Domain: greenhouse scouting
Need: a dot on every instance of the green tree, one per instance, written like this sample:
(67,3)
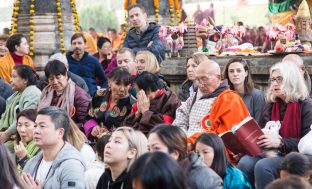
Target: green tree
(98,17)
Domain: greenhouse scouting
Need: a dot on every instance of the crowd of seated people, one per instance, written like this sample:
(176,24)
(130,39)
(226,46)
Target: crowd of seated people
(111,120)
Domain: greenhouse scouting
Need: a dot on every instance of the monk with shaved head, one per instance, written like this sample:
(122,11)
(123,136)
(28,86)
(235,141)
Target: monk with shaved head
(297,60)
(214,107)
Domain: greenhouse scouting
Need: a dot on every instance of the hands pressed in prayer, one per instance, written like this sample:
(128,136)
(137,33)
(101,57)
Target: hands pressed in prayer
(143,102)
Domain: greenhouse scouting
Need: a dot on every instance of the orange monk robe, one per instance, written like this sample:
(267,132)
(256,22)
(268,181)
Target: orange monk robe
(7,64)
(227,110)
(98,35)
(116,43)
(91,46)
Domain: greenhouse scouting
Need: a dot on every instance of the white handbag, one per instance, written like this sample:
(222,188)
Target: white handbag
(305,143)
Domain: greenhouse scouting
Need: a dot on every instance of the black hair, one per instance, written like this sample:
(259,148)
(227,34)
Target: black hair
(147,82)
(55,67)
(113,31)
(121,76)
(157,170)
(173,137)
(101,41)
(14,40)
(291,182)
(76,36)
(26,72)
(100,146)
(30,114)
(58,116)
(296,163)
(220,160)
(9,179)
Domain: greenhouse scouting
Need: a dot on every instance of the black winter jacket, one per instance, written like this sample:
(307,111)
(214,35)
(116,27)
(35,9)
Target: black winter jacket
(136,43)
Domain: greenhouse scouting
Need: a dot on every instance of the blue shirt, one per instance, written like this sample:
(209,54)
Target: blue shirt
(89,69)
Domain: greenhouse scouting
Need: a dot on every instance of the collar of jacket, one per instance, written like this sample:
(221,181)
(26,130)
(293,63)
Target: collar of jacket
(223,86)
(150,26)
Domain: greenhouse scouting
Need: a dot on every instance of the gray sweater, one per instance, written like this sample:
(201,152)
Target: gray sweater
(255,103)
(67,169)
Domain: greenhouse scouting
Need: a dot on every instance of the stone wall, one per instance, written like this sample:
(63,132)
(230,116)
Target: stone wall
(46,36)
(175,69)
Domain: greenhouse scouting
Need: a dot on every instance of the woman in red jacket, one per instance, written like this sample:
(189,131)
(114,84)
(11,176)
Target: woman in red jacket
(64,93)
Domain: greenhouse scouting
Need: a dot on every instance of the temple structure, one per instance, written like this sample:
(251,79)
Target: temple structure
(48,25)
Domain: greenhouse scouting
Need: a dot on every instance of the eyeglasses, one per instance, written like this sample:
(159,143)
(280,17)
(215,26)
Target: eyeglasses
(278,79)
(204,80)
(106,47)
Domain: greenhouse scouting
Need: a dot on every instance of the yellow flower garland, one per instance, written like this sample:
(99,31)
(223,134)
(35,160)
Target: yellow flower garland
(60,25)
(156,6)
(16,5)
(177,9)
(31,28)
(133,2)
(126,5)
(75,14)
(171,12)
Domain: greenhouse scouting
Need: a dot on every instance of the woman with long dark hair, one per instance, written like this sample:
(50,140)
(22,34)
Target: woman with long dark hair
(238,74)
(173,141)
(156,170)
(211,148)
(9,178)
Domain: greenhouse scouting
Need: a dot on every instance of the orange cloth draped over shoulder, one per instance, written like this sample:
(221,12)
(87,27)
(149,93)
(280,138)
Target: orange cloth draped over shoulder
(91,46)
(116,43)
(227,110)
(7,64)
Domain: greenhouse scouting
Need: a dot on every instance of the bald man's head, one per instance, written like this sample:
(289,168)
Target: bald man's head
(208,76)
(297,60)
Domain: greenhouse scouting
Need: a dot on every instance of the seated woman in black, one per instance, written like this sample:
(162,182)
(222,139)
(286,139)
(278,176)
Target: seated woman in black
(109,107)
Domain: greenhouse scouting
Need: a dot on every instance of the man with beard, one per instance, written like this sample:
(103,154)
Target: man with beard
(85,65)
(143,36)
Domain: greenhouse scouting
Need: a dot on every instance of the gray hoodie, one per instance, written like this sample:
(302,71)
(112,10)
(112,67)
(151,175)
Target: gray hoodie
(67,170)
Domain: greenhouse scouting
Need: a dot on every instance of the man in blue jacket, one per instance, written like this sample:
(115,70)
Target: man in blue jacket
(143,35)
(85,65)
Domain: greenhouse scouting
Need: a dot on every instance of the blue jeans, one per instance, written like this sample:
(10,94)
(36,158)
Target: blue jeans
(260,171)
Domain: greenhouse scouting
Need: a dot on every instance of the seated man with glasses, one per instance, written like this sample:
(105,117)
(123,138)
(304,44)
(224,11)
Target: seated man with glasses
(105,55)
(214,107)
